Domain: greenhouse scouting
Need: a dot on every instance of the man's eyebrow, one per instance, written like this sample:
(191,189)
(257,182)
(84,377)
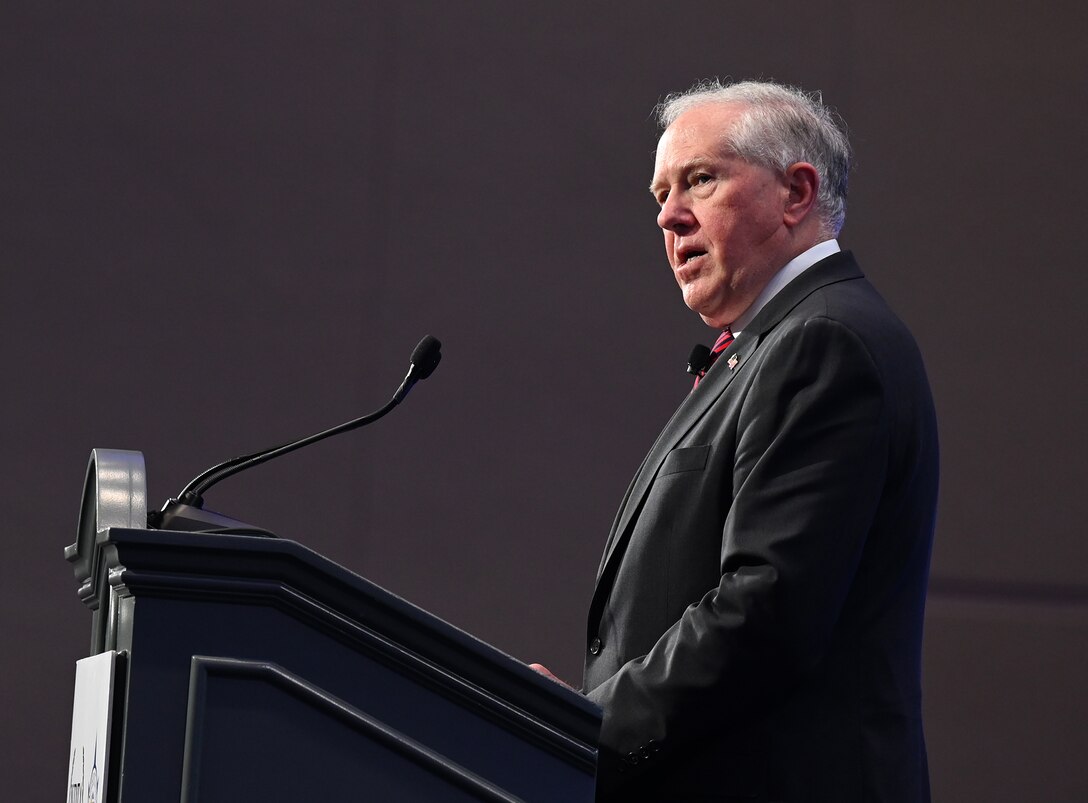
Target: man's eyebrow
(694,162)
(682,168)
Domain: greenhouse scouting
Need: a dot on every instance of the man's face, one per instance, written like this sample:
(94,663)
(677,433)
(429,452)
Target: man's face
(722,217)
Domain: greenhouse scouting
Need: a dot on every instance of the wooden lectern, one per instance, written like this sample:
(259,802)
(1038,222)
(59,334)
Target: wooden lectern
(254,669)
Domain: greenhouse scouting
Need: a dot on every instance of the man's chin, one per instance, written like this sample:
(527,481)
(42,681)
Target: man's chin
(715,322)
(711,314)
(714,312)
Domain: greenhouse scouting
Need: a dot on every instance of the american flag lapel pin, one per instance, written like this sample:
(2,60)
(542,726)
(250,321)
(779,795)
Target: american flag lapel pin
(732,362)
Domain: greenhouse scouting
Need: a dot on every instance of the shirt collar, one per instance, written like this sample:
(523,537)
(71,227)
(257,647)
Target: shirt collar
(794,268)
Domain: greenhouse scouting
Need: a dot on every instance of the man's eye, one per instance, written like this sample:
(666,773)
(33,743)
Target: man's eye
(661,197)
(700,178)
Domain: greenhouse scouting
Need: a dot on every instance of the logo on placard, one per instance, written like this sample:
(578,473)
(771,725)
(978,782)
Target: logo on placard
(92,790)
(82,789)
(75,783)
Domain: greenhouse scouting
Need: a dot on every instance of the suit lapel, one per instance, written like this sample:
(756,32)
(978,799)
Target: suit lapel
(730,364)
(686,416)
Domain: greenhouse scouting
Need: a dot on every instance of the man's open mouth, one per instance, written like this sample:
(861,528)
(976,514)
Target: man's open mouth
(686,255)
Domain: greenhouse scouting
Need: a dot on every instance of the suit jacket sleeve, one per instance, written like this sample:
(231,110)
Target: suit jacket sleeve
(808,465)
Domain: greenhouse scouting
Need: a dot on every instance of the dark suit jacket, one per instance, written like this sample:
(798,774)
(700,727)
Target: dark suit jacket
(756,627)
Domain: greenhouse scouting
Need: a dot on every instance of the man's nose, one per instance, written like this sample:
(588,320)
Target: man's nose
(675,215)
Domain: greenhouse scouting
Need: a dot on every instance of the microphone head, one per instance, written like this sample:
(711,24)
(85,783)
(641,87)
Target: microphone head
(698,360)
(426,356)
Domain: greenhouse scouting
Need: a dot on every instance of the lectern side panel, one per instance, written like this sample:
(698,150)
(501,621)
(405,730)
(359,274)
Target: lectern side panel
(256,732)
(360,669)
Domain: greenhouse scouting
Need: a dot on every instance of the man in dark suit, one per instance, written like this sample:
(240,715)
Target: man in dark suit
(755,630)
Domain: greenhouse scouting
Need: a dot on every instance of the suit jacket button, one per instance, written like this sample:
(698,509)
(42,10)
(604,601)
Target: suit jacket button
(632,758)
(595,646)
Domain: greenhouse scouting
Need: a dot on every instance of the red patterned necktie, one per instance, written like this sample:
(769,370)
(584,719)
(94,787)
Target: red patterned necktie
(720,345)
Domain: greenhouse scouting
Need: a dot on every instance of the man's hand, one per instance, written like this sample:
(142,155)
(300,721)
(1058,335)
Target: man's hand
(543,670)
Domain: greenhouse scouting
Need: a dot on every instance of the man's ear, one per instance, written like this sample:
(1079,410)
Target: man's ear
(802,181)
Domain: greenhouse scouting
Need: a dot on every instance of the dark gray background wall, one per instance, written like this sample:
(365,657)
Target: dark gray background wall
(227,224)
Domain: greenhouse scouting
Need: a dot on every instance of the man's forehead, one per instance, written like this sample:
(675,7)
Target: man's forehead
(685,152)
(703,128)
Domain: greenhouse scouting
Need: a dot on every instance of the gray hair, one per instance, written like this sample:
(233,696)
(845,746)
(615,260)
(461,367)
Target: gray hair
(780,126)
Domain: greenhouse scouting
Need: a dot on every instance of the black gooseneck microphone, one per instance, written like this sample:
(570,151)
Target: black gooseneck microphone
(186,511)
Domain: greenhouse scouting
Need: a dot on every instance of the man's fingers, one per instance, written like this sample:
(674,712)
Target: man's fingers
(543,670)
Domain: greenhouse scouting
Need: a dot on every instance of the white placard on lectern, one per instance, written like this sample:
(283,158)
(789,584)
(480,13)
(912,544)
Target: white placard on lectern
(91,720)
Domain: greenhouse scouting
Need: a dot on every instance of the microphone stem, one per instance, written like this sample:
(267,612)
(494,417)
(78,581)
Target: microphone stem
(193,492)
